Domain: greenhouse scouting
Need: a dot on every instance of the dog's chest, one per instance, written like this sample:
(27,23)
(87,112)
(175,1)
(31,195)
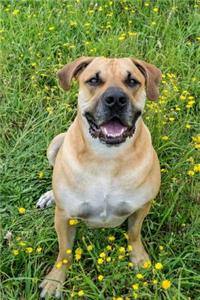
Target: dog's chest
(101,201)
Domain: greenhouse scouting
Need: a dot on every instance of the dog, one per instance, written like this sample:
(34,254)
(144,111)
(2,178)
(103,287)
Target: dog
(105,167)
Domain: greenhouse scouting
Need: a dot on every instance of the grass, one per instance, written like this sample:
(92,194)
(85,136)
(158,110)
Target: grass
(37,38)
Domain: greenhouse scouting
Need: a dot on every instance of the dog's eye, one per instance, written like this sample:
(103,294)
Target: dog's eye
(94,81)
(131,82)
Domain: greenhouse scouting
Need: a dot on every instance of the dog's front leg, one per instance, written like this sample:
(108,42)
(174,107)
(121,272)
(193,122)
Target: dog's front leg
(138,255)
(52,283)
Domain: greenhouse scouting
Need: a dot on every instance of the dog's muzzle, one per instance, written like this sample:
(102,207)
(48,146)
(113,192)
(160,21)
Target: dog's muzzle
(114,117)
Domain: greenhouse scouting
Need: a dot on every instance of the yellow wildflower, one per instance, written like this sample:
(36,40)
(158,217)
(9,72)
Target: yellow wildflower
(77,257)
(146,264)
(139,276)
(100,261)
(108,259)
(72,294)
(135,295)
(15,252)
(109,248)
(120,257)
(155,281)
(130,33)
(79,251)
(100,277)
(165,138)
(111,238)
(102,255)
(129,248)
(190,173)
(22,243)
(155,9)
(50,110)
(161,248)
(29,250)
(59,265)
(188,126)
(171,119)
(21,210)
(90,247)
(69,251)
(65,261)
(51,28)
(121,250)
(39,249)
(130,264)
(41,174)
(135,286)
(166,284)
(196,168)
(15,12)
(81,293)
(182,97)
(196,139)
(73,221)
(158,266)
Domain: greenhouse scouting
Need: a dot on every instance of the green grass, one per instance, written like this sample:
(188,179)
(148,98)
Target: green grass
(37,38)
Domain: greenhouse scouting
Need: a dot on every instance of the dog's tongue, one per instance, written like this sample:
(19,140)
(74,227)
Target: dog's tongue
(113,128)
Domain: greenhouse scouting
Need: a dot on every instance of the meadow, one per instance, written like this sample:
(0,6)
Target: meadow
(36,39)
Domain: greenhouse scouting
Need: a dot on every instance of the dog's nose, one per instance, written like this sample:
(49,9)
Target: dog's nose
(115,96)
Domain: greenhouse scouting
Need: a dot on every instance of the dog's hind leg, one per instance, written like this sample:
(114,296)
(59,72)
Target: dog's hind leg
(48,198)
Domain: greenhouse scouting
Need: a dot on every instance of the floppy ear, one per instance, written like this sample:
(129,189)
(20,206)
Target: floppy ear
(71,70)
(152,76)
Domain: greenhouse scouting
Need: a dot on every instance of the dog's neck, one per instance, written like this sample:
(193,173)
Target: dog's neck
(96,148)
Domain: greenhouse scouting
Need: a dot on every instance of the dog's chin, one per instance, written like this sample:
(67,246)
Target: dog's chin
(112,132)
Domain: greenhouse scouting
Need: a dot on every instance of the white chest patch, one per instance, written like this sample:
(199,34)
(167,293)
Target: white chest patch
(102,202)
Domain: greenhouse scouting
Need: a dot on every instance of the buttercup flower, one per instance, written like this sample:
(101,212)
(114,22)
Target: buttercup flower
(158,266)
(108,259)
(69,251)
(111,238)
(59,265)
(73,221)
(102,255)
(139,276)
(81,293)
(39,249)
(100,261)
(190,173)
(146,264)
(135,286)
(100,277)
(29,250)
(21,210)
(166,284)
(90,247)
(15,252)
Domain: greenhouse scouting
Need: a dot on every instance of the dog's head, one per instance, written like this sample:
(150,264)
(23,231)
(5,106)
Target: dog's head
(112,93)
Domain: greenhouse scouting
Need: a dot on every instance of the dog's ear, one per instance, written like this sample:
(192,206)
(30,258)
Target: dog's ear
(152,77)
(71,70)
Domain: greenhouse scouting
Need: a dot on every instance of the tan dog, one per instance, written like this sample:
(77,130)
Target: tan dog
(105,167)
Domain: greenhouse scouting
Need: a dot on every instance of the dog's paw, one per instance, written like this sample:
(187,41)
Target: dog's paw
(45,200)
(52,284)
(138,258)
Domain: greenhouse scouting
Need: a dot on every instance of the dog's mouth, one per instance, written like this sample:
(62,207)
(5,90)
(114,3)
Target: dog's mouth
(112,132)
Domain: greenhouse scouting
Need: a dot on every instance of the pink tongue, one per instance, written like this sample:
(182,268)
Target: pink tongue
(113,128)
